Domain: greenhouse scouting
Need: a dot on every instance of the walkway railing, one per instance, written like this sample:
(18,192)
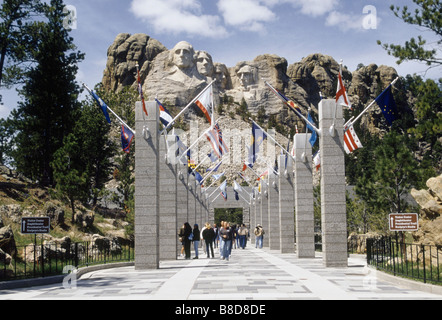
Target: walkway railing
(35,261)
(415,261)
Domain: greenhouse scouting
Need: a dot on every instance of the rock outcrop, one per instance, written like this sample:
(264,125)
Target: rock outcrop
(430,222)
(177,75)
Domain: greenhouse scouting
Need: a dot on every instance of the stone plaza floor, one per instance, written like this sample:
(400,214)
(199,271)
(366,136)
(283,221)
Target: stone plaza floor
(251,274)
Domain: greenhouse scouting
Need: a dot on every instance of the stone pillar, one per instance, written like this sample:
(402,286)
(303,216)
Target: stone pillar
(182,191)
(286,206)
(265,211)
(168,201)
(147,187)
(212,215)
(253,222)
(303,194)
(333,206)
(191,200)
(272,230)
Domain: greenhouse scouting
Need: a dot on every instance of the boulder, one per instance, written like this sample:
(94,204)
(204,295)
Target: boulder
(7,241)
(84,219)
(124,55)
(105,245)
(56,213)
(430,222)
(12,211)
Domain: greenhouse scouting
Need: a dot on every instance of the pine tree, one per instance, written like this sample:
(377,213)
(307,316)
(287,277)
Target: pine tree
(18,34)
(47,114)
(427,16)
(68,172)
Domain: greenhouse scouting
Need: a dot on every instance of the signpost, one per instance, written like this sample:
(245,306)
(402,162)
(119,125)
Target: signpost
(36,225)
(404,222)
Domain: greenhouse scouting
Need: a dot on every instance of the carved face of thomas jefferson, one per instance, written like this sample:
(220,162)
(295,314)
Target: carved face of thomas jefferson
(205,64)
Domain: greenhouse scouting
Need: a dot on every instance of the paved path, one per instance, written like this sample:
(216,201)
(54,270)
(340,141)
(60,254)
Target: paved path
(251,274)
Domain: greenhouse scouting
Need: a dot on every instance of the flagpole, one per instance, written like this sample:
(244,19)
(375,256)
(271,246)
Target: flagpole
(244,198)
(242,190)
(211,184)
(189,105)
(112,111)
(303,155)
(274,140)
(215,198)
(256,175)
(215,191)
(296,111)
(211,172)
(207,157)
(197,140)
(350,122)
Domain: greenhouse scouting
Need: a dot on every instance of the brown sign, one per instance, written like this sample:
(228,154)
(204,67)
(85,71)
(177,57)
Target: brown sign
(35,225)
(404,222)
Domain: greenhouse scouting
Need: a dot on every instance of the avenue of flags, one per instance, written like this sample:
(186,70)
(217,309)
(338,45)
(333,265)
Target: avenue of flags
(205,103)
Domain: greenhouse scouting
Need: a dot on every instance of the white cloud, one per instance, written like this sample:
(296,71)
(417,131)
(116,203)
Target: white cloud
(313,8)
(344,21)
(178,16)
(353,22)
(247,15)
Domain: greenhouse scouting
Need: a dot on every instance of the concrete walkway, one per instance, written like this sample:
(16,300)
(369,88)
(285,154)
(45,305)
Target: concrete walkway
(251,274)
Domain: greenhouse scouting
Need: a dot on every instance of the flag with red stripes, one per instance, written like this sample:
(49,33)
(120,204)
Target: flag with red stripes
(205,103)
(140,91)
(341,94)
(351,141)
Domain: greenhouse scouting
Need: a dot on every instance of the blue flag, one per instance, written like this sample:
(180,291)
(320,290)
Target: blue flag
(258,137)
(314,135)
(198,177)
(126,139)
(388,106)
(102,105)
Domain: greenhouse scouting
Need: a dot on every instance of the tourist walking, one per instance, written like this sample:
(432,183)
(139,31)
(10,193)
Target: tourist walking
(185,234)
(216,241)
(225,239)
(209,237)
(196,239)
(242,234)
(259,233)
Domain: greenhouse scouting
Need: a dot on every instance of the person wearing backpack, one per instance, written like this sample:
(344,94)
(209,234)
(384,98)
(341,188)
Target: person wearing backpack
(185,233)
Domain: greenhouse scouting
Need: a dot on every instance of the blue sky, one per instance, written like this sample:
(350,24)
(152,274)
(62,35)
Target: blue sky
(239,30)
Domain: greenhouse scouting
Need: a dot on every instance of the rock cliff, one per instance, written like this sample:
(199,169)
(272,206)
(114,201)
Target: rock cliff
(177,75)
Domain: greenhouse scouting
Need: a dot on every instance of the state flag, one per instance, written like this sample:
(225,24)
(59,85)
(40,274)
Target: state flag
(140,91)
(258,137)
(223,188)
(386,102)
(102,105)
(126,138)
(341,94)
(317,160)
(205,103)
(165,116)
(351,140)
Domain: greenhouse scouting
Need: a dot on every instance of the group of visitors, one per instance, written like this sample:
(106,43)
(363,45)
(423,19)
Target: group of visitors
(225,237)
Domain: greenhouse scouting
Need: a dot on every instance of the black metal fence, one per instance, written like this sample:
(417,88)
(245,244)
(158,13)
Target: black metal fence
(415,261)
(43,260)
